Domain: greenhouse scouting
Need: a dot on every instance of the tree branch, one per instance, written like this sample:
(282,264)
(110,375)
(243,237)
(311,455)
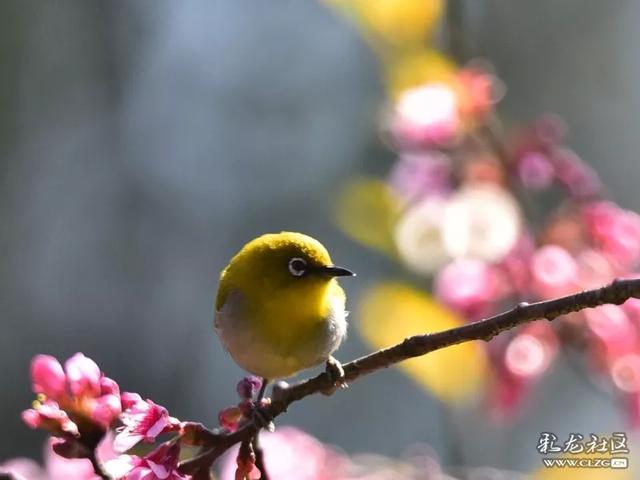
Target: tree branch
(617,293)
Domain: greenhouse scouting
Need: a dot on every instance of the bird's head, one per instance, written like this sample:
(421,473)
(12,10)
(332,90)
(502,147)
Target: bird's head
(285,260)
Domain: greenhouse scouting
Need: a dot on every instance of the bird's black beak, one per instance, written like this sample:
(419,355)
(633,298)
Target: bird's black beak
(335,271)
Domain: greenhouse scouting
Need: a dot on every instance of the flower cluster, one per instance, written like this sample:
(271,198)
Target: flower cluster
(80,407)
(74,403)
(232,417)
(463,217)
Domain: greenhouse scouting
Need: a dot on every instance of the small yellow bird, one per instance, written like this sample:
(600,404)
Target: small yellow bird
(279,308)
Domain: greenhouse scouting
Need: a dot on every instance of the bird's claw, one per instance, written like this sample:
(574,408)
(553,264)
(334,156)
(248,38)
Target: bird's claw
(334,370)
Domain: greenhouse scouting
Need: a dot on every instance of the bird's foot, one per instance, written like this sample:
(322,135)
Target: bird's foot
(335,372)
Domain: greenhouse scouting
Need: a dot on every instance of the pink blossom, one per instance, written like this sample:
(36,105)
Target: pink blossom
(594,269)
(83,376)
(612,329)
(129,399)
(426,115)
(57,467)
(554,272)
(535,171)
(23,469)
(109,386)
(632,308)
(144,421)
(79,390)
(248,387)
(48,376)
(291,454)
(105,409)
(48,416)
(417,175)
(161,464)
(528,355)
(468,286)
(615,230)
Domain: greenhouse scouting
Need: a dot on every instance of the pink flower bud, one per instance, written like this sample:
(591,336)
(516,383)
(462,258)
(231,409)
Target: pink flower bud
(468,286)
(31,417)
(48,376)
(535,171)
(83,375)
(230,418)
(554,272)
(248,387)
(109,386)
(48,416)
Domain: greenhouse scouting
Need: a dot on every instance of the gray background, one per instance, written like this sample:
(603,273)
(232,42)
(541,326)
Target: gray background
(142,142)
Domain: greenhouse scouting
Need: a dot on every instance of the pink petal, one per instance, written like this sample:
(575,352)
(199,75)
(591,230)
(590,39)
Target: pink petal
(109,386)
(126,440)
(54,419)
(157,428)
(83,375)
(104,450)
(141,473)
(129,400)
(31,418)
(106,409)
(120,466)
(23,469)
(47,376)
(60,468)
(159,470)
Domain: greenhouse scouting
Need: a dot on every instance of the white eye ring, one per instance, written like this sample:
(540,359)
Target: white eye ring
(297,266)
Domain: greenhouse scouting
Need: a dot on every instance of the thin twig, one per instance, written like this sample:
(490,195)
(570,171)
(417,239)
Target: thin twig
(617,293)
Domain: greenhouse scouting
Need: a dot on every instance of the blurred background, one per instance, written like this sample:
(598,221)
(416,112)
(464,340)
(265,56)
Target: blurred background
(142,143)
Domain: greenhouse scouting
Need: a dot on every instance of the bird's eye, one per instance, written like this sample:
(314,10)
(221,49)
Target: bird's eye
(297,267)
